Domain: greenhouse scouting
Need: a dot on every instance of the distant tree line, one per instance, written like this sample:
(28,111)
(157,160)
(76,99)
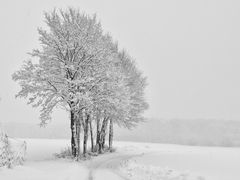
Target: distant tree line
(80,68)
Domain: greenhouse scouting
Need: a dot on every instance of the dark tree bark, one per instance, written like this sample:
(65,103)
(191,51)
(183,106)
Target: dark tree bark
(110,135)
(103,135)
(98,135)
(91,133)
(104,138)
(85,136)
(73,134)
(78,132)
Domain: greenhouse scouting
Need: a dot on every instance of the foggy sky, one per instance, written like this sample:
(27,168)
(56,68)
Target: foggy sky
(188,49)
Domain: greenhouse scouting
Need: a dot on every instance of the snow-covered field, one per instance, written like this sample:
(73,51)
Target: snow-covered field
(136,161)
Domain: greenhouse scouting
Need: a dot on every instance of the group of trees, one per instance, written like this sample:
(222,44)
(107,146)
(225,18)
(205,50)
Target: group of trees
(81,69)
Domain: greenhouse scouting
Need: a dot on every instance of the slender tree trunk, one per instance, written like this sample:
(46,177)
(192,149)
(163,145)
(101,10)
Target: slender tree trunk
(91,133)
(103,138)
(103,135)
(110,135)
(73,133)
(98,135)
(85,136)
(78,137)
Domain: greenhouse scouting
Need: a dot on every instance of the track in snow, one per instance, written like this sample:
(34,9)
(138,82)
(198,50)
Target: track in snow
(105,166)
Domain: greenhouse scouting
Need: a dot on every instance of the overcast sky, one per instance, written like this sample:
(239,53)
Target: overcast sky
(188,49)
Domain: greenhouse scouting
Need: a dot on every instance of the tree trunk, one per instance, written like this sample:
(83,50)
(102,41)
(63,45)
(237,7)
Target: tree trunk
(103,135)
(85,136)
(78,137)
(91,133)
(73,133)
(103,138)
(110,135)
(98,135)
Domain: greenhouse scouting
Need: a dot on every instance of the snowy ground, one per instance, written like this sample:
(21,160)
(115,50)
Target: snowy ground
(132,161)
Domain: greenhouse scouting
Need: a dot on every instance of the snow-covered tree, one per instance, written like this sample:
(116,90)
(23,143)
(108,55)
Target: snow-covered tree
(6,154)
(81,69)
(127,96)
(74,54)
(10,155)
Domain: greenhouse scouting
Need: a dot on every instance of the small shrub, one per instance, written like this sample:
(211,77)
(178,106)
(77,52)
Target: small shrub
(112,150)
(6,155)
(65,153)
(9,157)
(93,153)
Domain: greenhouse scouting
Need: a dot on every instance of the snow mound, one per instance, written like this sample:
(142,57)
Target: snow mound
(136,171)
